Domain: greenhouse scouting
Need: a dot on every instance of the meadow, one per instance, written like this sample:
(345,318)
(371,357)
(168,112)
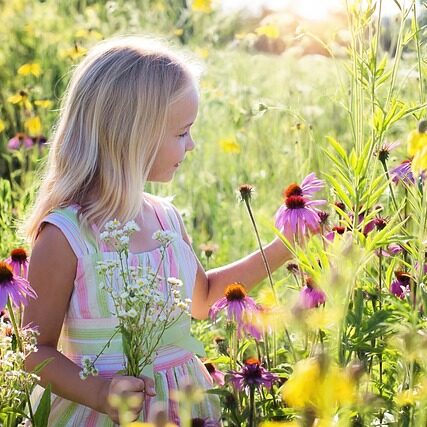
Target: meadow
(343,327)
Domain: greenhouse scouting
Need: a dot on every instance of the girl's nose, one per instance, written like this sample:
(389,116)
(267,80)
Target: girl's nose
(190,144)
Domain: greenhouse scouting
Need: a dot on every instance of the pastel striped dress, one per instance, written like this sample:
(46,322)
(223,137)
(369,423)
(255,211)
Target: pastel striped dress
(90,323)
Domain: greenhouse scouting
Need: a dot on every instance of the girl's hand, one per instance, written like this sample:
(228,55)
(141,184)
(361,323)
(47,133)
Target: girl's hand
(125,387)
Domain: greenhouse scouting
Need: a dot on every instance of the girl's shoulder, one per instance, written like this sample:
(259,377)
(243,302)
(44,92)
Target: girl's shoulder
(66,219)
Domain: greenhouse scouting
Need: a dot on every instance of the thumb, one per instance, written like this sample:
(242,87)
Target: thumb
(150,388)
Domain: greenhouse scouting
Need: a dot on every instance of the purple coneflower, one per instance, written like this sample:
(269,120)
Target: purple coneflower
(311,296)
(18,140)
(217,376)
(16,288)
(18,260)
(297,216)
(310,185)
(335,230)
(251,375)
(400,287)
(378,222)
(240,307)
(403,173)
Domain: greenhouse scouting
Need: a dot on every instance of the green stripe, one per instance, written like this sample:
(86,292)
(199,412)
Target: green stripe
(66,415)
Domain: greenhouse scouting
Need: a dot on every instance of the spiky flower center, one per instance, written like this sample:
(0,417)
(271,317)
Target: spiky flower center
(422,126)
(198,422)
(295,202)
(252,361)
(380,223)
(19,255)
(293,190)
(339,229)
(6,273)
(310,283)
(235,292)
(402,277)
(246,191)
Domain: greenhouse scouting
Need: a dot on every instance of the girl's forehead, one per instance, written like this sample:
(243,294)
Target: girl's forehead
(184,110)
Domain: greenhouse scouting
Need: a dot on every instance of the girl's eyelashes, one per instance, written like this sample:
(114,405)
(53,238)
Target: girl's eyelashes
(183,134)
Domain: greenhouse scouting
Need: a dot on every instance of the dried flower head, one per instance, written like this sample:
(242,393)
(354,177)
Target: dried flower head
(246,191)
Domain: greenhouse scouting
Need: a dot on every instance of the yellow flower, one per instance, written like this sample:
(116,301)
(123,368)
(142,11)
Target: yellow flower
(302,386)
(21,98)
(26,69)
(73,53)
(204,6)
(419,162)
(417,139)
(43,103)
(229,145)
(271,31)
(323,391)
(34,126)
(202,52)
(2,125)
(279,424)
(406,397)
(178,32)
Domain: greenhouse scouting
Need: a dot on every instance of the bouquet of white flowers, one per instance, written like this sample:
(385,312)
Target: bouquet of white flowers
(144,311)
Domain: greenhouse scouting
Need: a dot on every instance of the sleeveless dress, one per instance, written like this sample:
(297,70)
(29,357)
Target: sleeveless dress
(90,322)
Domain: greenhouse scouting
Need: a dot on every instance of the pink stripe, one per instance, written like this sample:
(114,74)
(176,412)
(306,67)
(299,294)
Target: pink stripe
(172,363)
(173,405)
(92,419)
(81,291)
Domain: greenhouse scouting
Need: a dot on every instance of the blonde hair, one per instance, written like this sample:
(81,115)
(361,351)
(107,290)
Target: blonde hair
(110,128)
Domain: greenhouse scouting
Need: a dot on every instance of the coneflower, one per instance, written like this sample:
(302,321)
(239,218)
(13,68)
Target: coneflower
(19,262)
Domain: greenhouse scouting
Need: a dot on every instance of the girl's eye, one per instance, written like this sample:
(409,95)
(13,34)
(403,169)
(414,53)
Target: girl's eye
(183,134)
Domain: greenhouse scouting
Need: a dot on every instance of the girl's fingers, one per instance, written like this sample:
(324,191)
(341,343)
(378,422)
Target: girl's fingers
(150,388)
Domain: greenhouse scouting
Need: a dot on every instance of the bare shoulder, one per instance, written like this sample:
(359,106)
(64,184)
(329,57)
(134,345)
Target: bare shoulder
(51,273)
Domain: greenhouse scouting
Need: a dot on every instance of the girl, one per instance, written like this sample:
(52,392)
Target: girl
(125,120)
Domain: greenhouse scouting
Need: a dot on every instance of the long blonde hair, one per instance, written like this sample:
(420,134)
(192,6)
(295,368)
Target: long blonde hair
(111,124)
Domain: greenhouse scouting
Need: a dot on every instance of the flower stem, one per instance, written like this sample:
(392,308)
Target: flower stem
(251,406)
(21,349)
(267,267)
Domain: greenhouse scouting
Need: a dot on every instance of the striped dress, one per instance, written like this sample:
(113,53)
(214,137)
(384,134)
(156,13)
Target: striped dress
(89,323)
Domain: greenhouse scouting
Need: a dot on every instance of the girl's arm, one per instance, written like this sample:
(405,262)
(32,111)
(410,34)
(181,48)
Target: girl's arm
(51,273)
(250,270)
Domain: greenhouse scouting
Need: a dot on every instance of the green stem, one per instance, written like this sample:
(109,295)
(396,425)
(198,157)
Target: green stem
(264,258)
(251,406)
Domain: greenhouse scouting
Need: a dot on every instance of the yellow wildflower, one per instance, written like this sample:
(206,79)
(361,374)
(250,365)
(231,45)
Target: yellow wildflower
(417,139)
(324,391)
(33,124)
(178,32)
(43,103)
(202,52)
(279,424)
(26,69)
(2,125)
(271,31)
(204,6)
(419,162)
(229,145)
(73,53)
(21,98)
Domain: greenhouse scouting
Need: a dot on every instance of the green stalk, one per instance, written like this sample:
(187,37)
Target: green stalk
(251,406)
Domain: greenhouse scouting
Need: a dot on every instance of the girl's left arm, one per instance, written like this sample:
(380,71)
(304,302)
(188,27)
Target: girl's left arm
(250,270)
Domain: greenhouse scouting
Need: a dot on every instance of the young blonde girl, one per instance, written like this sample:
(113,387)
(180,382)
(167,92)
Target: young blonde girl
(125,120)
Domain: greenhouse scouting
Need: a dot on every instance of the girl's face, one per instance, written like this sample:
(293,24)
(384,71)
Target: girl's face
(177,139)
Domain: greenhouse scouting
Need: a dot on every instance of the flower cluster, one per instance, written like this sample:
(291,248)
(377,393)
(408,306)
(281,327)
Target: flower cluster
(146,304)
(117,236)
(88,368)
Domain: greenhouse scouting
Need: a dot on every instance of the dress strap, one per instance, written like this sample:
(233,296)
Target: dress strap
(166,214)
(66,220)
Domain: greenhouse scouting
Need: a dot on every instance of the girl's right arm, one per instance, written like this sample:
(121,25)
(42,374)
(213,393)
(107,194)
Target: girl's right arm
(51,273)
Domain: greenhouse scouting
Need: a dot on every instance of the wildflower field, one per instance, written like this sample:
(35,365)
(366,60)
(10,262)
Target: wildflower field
(326,146)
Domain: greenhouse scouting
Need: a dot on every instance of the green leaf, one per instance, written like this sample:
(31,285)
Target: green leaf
(338,148)
(43,410)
